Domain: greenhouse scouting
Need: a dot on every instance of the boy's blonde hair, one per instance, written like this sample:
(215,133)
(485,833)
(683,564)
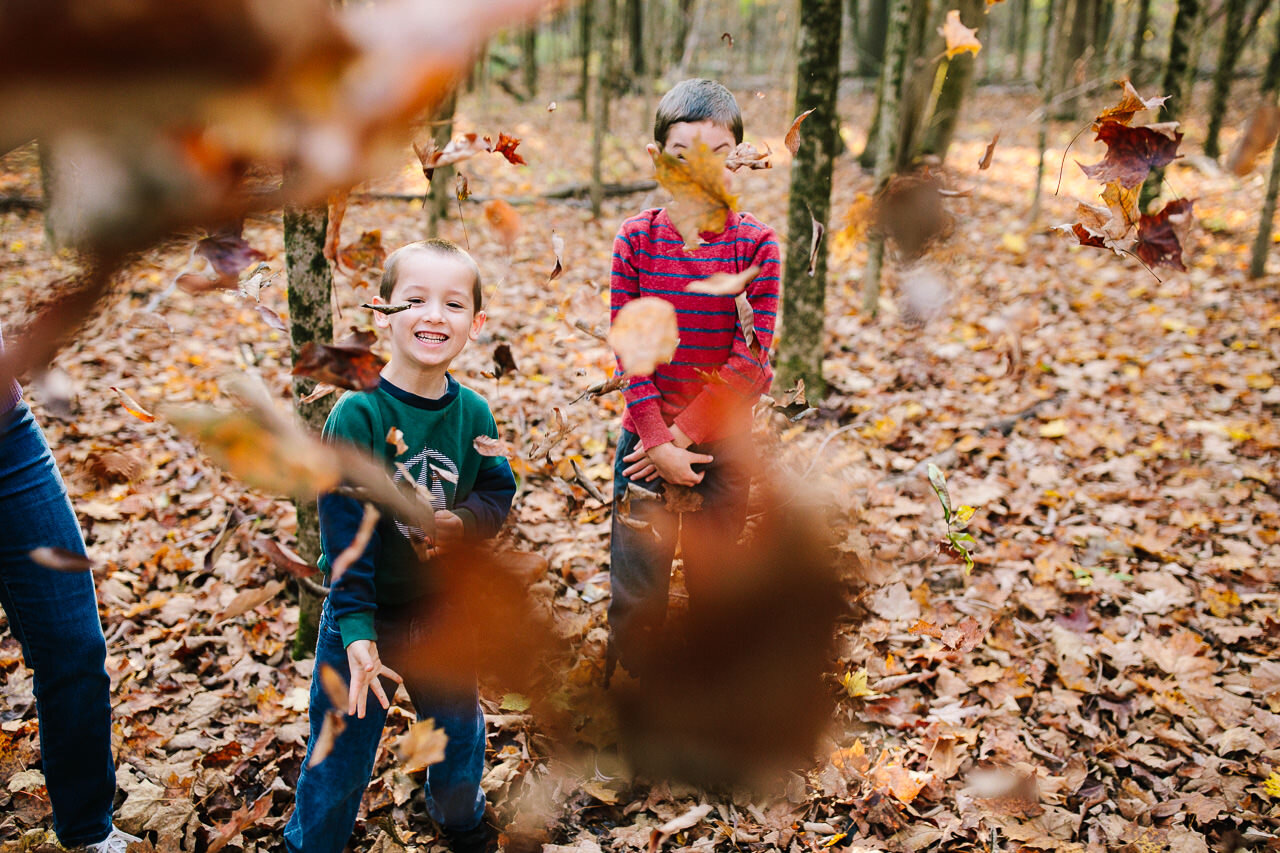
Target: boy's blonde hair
(436,245)
(697,99)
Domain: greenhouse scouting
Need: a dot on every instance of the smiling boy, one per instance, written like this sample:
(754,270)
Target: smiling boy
(695,410)
(377,607)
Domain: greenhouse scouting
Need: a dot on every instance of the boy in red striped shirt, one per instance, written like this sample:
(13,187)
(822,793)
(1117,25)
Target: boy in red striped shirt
(689,422)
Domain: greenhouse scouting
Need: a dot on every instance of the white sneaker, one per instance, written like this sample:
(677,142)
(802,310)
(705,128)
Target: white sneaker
(117,841)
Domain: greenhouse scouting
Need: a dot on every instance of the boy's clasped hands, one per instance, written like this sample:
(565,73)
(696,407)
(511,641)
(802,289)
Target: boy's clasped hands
(362,655)
(671,460)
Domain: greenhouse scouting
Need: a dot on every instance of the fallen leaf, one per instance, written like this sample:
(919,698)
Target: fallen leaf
(792,139)
(60,559)
(644,334)
(131,406)
(248,600)
(421,746)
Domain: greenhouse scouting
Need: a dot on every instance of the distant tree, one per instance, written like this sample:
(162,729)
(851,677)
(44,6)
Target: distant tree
(871,45)
(310,283)
(604,89)
(1271,77)
(1045,82)
(1175,76)
(585,16)
(529,59)
(1228,53)
(1137,69)
(635,38)
(959,71)
(442,190)
(801,346)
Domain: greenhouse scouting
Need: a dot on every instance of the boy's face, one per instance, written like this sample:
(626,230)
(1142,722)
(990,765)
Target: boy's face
(684,135)
(441,317)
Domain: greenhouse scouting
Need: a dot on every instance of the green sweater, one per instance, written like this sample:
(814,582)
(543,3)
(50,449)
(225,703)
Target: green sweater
(440,456)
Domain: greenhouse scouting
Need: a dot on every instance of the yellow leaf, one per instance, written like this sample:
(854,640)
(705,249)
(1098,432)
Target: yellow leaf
(1259,381)
(1015,243)
(1055,428)
(855,684)
(959,38)
(700,200)
(421,746)
(964,513)
(1272,784)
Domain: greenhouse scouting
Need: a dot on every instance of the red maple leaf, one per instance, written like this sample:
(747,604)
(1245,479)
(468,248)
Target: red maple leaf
(1160,236)
(1132,152)
(506,146)
(1087,237)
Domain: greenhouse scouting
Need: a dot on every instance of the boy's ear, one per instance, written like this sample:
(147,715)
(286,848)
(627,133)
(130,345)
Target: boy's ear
(654,151)
(382,321)
(477,323)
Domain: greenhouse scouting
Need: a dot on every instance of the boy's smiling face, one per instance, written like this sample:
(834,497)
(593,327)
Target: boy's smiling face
(429,335)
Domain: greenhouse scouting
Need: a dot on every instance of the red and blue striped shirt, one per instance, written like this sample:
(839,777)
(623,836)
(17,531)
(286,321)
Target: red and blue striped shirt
(714,379)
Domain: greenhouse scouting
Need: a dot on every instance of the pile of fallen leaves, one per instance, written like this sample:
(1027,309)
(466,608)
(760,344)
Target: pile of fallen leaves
(1105,676)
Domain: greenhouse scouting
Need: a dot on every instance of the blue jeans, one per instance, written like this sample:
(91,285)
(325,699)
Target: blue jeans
(328,795)
(640,561)
(54,615)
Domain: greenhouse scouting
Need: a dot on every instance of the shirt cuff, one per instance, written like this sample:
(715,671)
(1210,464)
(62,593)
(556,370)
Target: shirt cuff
(650,426)
(357,626)
(469,522)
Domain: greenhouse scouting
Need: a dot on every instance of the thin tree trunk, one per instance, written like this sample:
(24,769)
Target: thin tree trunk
(802,343)
(1137,71)
(1075,59)
(529,59)
(1046,100)
(1024,37)
(871,47)
(1262,243)
(1228,53)
(887,142)
(959,73)
(1174,76)
(925,49)
(683,21)
(852,38)
(584,47)
(635,38)
(600,125)
(310,319)
(442,190)
(1271,77)
(1192,69)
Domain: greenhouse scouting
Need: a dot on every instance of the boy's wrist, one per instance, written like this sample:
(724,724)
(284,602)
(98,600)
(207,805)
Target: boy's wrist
(357,626)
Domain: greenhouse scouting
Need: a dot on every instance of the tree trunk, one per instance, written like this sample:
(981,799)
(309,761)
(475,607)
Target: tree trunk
(852,38)
(1024,37)
(310,319)
(925,49)
(959,72)
(1046,101)
(1228,53)
(888,142)
(442,190)
(635,38)
(529,59)
(871,47)
(1271,77)
(802,343)
(1262,243)
(1175,73)
(1074,57)
(1192,68)
(1137,71)
(600,124)
(584,47)
(680,32)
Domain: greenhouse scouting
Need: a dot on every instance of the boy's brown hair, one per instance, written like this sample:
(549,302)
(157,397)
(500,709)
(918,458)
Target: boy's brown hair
(439,246)
(697,99)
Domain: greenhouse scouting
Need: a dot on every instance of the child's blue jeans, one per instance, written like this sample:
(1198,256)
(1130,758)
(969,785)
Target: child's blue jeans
(640,557)
(328,795)
(54,615)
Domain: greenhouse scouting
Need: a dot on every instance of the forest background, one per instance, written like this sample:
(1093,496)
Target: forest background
(1104,678)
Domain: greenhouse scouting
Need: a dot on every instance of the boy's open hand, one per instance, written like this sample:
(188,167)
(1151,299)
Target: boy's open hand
(366,667)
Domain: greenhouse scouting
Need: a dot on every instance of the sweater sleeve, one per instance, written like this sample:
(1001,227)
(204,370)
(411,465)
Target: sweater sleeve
(746,374)
(640,392)
(485,508)
(353,598)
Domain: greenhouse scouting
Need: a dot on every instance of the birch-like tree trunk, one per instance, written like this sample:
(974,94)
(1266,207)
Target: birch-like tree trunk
(802,343)
(1228,53)
(959,73)
(310,319)
(888,141)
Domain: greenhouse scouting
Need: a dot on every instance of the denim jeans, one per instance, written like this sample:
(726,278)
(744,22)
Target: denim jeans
(328,795)
(640,558)
(54,615)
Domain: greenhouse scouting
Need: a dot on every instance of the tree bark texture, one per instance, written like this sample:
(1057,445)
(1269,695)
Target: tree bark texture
(1271,77)
(1136,68)
(871,46)
(888,140)
(529,59)
(959,74)
(1175,74)
(925,49)
(310,319)
(635,38)
(600,120)
(442,190)
(585,24)
(1046,101)
(1228,53)
(802,344)
(1023,38)
(1262,242)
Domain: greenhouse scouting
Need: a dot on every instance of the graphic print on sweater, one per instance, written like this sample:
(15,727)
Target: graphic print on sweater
(432,469)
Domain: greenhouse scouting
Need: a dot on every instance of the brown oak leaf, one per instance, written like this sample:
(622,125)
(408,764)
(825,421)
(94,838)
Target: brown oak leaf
(1160,235)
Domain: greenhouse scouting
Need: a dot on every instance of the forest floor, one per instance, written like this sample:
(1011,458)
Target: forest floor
(1106,678)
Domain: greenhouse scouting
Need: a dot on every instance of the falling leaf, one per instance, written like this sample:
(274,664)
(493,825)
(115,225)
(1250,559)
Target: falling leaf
(133,408)
(644,334)
(678,498)
(504,362)
(506,146)
(909,211)
(792,140)
(284,558)
(366,255)
(551,107)
(461,187)
(459,148)
(504,220)
(727,37)
(745,154)
(747,323)
(345,365)
(272,319)
(322,390)
(557,246)
(395,438)
(228,252)
(1160,236)
(248,600)
(701,201)
(60,559)
(985,162)
(1132,152)
(1131,103)
(488,446)
(421,746)
(724,283)
(387,310)
(815,241)
(334,686)
(958,37)
(334,724)
(356,548)
(1256,139)
(234,519)
(1123,203)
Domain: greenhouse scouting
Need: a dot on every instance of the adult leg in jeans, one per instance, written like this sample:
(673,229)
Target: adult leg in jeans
(640,555)
(54,615)
(328,795)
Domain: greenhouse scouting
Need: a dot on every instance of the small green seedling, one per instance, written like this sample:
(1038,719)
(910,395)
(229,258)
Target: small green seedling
(958,540)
